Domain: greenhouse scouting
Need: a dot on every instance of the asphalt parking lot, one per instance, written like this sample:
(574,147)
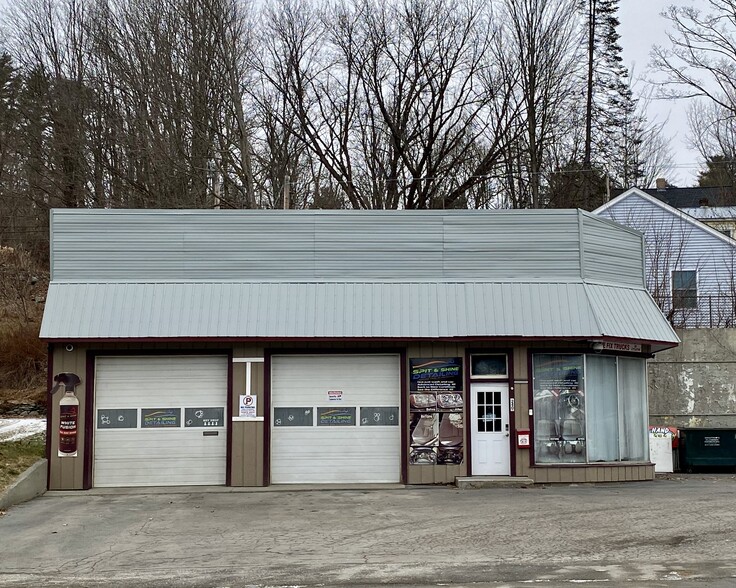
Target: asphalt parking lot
(680,530)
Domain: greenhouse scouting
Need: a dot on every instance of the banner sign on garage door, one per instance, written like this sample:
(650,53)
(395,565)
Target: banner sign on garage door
(443,374)
(204,417)
(293,416)
(160,418)
(336,417)
(379,416)
(117,418)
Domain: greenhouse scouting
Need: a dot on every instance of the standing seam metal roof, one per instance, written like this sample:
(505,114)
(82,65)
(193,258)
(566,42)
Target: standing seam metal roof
(347,274)
(350,310)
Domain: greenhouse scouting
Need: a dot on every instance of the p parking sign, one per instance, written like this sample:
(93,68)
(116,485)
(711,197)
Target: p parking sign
(248,405)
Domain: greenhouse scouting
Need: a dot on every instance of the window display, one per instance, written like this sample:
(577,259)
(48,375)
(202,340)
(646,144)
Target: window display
(559,409)
(589,408)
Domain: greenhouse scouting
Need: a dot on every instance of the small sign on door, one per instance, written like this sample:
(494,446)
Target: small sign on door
(248,405)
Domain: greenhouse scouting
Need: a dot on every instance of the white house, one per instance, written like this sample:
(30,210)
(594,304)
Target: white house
(690,266)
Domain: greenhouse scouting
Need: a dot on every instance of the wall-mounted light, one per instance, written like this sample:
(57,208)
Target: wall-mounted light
(69,347)
(597,346)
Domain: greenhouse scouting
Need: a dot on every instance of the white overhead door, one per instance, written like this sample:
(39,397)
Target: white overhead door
(335,418)
(160,420)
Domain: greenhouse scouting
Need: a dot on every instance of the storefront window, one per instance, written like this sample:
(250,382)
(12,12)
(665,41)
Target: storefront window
(632,393)
(559,409)
(589,408)
(602,407)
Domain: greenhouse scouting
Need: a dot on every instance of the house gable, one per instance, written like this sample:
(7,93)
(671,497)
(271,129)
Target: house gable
(675,241)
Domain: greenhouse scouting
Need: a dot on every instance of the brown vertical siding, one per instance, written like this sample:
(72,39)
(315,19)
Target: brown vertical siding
(248,437)
(612,472)
(522,420)
(67,473)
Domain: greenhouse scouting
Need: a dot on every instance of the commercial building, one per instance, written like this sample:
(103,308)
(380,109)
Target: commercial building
(251,348)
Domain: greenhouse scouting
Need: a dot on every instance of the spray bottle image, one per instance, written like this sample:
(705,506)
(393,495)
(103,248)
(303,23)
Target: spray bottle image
(68,414)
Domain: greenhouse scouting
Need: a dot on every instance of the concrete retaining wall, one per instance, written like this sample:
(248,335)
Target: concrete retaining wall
(694,385)
(30,484)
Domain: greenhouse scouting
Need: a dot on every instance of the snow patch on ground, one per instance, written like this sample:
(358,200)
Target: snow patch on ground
(15,429)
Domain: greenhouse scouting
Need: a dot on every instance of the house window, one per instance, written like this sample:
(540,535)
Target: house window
(684,289)
(489,366)
(589,408)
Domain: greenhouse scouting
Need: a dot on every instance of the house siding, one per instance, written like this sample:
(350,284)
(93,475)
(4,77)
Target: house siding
(674,243)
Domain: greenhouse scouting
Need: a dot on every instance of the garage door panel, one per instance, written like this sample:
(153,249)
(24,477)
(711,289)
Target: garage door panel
(155,472)
(166,456)
(336,454)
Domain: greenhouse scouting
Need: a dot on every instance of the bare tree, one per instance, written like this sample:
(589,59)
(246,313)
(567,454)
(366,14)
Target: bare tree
(393,99)
(543,37)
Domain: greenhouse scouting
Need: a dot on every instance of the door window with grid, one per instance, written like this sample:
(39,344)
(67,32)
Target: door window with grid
(489,412)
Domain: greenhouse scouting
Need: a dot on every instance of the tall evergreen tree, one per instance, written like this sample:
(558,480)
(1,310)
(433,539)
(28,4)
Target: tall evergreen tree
(608,98)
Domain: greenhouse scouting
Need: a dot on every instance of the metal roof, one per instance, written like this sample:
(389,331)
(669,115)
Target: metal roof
(162,310)
(689,197)
(334,246)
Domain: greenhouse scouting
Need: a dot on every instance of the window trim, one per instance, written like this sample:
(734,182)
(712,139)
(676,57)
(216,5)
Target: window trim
(684,297)
(504,376)
(532,424)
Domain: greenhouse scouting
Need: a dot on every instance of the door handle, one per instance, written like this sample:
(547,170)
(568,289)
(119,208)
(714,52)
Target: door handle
(507,430)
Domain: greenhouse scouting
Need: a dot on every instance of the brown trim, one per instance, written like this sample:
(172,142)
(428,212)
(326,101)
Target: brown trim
(339,350)
(595,464)
(404,418)
(163,351)
(89,413)
(530,400)
(49,408)
(266,417)
(509,380)
(512,396)
(89,421)
(395,340)
(229,421)
(468,449)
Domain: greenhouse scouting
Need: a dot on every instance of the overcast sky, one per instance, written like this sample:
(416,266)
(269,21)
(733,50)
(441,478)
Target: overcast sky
(641,27)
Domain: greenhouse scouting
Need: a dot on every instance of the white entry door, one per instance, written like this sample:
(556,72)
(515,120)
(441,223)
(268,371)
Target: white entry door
(490,431)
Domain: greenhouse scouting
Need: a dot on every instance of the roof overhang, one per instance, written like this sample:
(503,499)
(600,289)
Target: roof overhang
(302,311)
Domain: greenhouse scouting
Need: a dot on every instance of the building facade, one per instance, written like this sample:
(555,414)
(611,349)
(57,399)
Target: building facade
(691,266)
(250,348)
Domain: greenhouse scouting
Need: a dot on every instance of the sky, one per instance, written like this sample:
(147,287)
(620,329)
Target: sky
(641,27)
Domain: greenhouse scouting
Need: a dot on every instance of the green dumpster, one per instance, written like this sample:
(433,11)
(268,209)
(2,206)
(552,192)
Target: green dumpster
(707,448)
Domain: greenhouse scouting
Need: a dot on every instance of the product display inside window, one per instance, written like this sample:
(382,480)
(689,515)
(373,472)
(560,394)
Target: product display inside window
(589,408)
(559,409)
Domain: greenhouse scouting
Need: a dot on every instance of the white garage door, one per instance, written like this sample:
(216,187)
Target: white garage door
(335,418)
(160,420)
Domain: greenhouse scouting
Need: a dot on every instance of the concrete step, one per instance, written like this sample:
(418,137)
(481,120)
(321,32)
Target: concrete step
(474,482)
